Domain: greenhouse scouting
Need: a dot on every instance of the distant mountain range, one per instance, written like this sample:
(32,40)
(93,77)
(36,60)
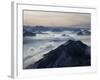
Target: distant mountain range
(60,28)
(83,32)
(28,32)
(32,31)
(70,54)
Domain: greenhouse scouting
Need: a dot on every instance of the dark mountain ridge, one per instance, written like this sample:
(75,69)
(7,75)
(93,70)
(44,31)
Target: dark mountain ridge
(70,54)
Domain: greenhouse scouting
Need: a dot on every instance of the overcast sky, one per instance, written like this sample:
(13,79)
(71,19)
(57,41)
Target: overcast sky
(42,18)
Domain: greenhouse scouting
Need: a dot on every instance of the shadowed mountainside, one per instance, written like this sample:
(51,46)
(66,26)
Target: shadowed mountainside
(70,54)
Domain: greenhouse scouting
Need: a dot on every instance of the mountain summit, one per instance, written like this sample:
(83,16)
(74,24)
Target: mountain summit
(70,54)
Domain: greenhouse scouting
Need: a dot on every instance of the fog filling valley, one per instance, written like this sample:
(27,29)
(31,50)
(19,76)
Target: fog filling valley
(38,41)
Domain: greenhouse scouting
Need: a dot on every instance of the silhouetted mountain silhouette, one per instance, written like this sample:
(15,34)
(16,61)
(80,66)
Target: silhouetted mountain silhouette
(72,53)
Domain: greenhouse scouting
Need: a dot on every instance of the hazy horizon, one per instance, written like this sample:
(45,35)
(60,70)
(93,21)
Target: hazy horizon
(57,19)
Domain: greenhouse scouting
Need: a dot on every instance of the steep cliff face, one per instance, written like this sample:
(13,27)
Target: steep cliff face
(70,54)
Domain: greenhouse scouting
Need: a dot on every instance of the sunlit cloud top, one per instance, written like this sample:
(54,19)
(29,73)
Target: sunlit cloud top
(43,18)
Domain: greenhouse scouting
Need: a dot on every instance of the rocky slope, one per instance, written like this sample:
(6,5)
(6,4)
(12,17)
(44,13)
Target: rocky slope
(70,54)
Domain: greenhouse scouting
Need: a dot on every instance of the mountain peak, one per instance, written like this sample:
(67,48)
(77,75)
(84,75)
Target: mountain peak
(70,54)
